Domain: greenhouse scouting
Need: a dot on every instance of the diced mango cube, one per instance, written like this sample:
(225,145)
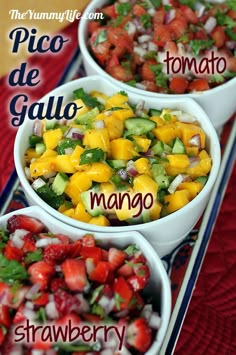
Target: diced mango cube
(194,187)
(75,157)
(142,142)
(122,148)
(189,130)
(143,166)
(106,187)
(116,100)
(69,213)
(167,132)
(159,121)
(81,214)
(114,126)
(155,210)
(124,113)
(52,137)
(145,184)
(203,167)
(42,166)
(176,200)
(100,221)
(63,164)
(97,138)
(99,172)
(82,107)
(178,160)
(31,154)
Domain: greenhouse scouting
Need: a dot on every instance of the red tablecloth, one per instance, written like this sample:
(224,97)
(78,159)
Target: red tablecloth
(209,327)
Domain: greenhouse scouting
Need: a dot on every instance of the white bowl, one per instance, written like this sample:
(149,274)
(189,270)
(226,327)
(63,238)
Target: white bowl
(165,233)
(219,103)
(159,284)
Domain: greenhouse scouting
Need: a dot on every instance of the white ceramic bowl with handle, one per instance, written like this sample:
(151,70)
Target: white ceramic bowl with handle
(219,103)
(165,233)
(159,284)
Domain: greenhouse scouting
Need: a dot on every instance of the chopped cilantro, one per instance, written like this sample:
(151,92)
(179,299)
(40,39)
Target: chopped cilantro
(224,20)
(167,7)
(87,99)
(96,293)
(183,38)
(161,78)
(91,156)
(123,8)
(156,3)
(200,44)
(4,235)
(231,4)
(118,300)
(32,257)
(131,83)
(50,197)
(101,37)
(216,78)
(189,3)
(131,249)
(122,92)
(98,310)
(231,33)
(11,271)
(146,20)
(133,302)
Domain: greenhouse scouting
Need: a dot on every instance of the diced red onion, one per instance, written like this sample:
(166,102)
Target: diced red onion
(140,105)
(38,128)
(107,303)
(50,352)
(154,321)
(74,133)
(38,183)
(33,291)
(17,237)
(4,297)
(140,51)
(195,140)
(152,46)
(18,350)
(130,28)
(90,265)
(193,161)
(122,174)
(69,151)
(200,8)
(51,310)
(175,183)
(144,38)
(230,44)
(19,296)
(144,45)
(139,25)
(84,305)
(151,11)
(147,311)
(131,170)
(77,135)
(29,313)
(58,268)
(99,124)
(210,24)
(170,15)
(41,243)
(140,86)
(148,153)
(107,351)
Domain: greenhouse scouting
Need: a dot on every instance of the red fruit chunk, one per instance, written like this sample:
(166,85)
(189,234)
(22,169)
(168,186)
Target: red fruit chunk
(74,249)
(29,243)
(13,253)
(137,283)
(123,293)
(42,300)
(5,318)
(218,35)
(178,85)
(104,255)
(72,317)
(56,284)
(2,335)
(139,335)
(101,272)
(116,257)
(198,85)
(19,316)
(88,240)
(91,318)
(30,224)
(125,270)
(189,14)
(41,272)
(94,253)
(65,302)
(63,238)
(55,253)
(75,274)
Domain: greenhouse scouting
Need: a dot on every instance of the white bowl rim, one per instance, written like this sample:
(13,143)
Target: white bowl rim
(84,49)
(29,190)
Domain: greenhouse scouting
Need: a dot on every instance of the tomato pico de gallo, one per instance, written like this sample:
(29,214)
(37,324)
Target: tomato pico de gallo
(132,40)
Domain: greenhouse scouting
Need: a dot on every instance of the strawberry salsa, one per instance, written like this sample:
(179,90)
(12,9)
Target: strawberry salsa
(131,43)
(153,162)
(47,277)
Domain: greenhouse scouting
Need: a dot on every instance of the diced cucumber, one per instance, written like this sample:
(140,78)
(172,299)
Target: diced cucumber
(59,183)
(154,112)
(159,175)
(50,124)
(158,148)
(167,148)
(97,210)
(117,163)
(139,126)
(33,140)
(50,197)
(67,143)
(178,147)
(87,117)
(158,169)
(40,148)
(202,179)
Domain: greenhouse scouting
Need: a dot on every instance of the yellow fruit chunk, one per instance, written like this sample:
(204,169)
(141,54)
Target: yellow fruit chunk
(203,167)
(124,113)
(82,107)
(63,164)
(177,200)
(106,187)
(189,130)
(167,132)
(159,121)
(31,154)
(42,166)
(116,100)
(97,138)
(145,184)
(69,213)
(114,126)
(143,166)
(194,187)
(99,95)
(155,210)
(167,116)
(100,221)
(122,148)
(48,153)
(81,214)
(142,142)
(178,160)
(99,172)
(78,183)
(192,151)
(75,157)
(52,137)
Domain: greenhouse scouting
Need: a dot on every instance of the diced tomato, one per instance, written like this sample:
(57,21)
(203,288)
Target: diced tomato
(171,47)
(147,73)
(120,40)
(124,292)
(161,35)
(218,35)
(198,85)
(200,34)
(177,27)
(113,60)
(231,62)
(189,14)
(110,11)
(138,10)
(12,252)
(93,26)
(5,318)
(159,17)
(151,86)
(100,50)
(119,73)
(178,85)
(232,13)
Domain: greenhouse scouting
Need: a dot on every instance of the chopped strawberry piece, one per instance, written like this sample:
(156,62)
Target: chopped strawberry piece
(116,257)
(125,270)
(2,335)
(19,316)
(57,283)
(139,335)
(88,240)
(104,255)
(91,318)
(41,272)
(29,243)
(65,302)
(137,283)
(72,317)
(42,300)
(123,293)
(94,253)
(107,291)
(101,272)
(5,318)
(75,274)
(20,221)
(12,252)
(63,238)
(74,249)
(56,253)
(136,302)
